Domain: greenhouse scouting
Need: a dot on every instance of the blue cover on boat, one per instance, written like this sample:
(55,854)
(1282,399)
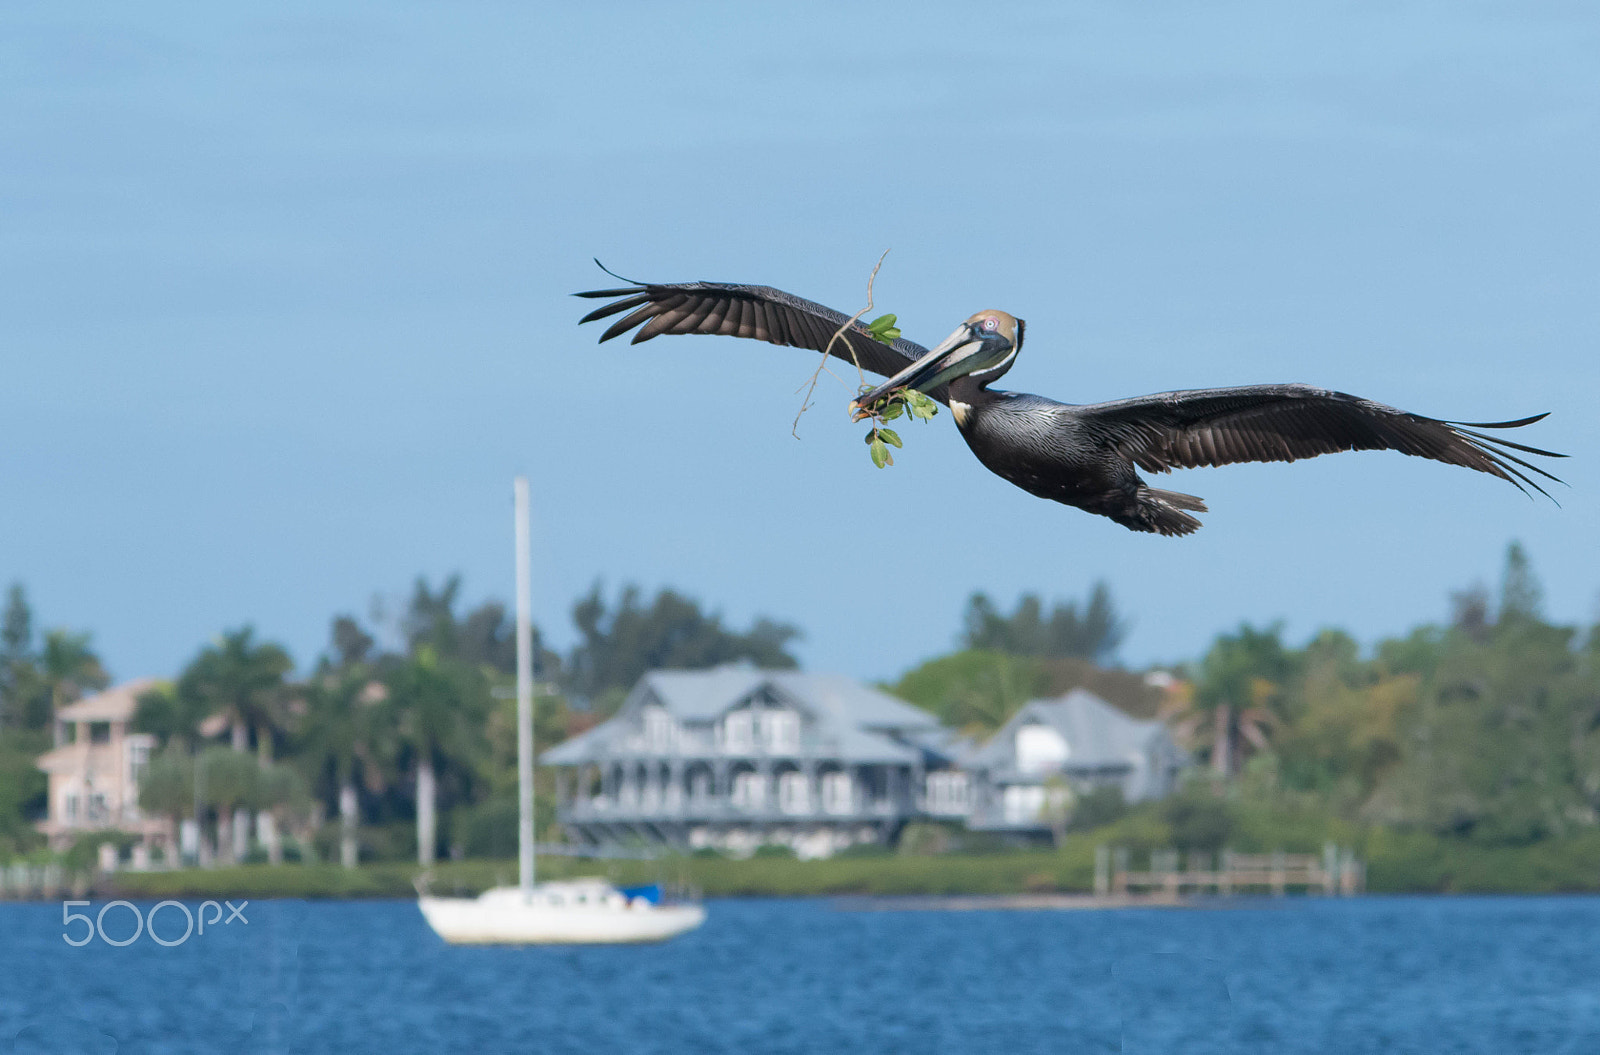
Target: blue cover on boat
(651,893)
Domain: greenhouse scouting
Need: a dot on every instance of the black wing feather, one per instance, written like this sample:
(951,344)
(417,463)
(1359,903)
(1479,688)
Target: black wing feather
(758,312)
(1283,423)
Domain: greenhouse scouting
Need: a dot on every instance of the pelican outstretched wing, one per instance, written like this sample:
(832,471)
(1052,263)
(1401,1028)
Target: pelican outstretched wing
(760,312)
(1283,423)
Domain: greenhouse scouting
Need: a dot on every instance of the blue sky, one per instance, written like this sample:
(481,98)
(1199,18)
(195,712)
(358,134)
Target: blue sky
(286,302)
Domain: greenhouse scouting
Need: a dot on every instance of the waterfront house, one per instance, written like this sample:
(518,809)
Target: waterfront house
(94,773)
(735,758)
(1024,778)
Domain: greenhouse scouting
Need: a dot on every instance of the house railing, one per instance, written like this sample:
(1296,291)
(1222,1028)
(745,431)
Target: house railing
(692,809)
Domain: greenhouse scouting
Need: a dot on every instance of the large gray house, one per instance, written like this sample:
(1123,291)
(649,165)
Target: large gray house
(1052,750)
(735,757)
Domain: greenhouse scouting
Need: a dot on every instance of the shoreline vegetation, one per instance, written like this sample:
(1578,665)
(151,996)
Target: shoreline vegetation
(1396,864)
(1460,757)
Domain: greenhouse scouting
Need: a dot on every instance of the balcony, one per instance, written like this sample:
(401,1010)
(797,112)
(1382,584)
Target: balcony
(692,811)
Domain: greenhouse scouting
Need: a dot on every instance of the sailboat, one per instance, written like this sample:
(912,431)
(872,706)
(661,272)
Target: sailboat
(570,912)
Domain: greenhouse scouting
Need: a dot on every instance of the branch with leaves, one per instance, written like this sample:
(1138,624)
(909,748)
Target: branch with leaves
(892,404)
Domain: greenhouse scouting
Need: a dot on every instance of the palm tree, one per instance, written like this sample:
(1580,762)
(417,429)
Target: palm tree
(228,781)
(430,699)
(1241,679)
(338,741)
(69,667)
(167,788)
(280,794)
(244,681)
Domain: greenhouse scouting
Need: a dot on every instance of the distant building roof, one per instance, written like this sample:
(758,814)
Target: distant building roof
(1099,735)
(116,704)
(703,695)
(852,722)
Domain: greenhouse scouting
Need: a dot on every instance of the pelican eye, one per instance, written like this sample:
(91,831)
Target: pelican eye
(990,325)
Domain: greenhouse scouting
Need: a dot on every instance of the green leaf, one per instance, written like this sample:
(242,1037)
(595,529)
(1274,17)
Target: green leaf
(880,454)
(922,406)
(890,437)
(883,329)
(893,410)
(870,437)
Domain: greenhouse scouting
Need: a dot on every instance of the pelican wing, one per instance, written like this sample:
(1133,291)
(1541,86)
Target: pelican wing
(1283,423)
(761,312)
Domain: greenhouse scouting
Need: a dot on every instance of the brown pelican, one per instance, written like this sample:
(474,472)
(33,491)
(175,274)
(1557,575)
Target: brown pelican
(1080,455)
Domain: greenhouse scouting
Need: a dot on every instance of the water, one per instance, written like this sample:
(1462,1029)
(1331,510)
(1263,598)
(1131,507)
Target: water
(1389,975)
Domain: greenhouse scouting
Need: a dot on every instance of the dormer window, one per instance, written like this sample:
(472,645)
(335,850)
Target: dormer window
(1040,749)
(738,731)
(782,729)
(658,728)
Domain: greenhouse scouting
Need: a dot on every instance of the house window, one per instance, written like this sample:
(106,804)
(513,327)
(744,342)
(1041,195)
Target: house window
(947,792)
(1023,803)
(737,735)
(838,792)
(749,791)
(138,761)
(99,732)
(1040,749)
(782,730)
(794,793)
(98,812)
(69,807)
(657,728)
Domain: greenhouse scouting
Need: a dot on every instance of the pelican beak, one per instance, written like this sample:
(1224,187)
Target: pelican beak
(950,359)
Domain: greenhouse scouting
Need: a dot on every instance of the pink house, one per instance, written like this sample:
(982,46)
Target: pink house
(95,770)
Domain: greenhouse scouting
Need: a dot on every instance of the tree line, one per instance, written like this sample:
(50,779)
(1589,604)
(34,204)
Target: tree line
(408,748)
(1484,726)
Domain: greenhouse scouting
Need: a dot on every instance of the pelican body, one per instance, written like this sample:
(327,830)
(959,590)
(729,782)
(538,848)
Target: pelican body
(1083,455)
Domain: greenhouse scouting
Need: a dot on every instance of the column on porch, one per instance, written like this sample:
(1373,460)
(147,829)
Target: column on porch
(769,793)
(676,792)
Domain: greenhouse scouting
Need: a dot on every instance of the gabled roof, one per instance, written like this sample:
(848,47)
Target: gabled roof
(1098,734)
(580,748)
(850,721)
(116,704)
(704,695)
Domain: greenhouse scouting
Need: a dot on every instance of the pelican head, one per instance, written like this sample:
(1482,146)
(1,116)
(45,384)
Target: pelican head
(983,348)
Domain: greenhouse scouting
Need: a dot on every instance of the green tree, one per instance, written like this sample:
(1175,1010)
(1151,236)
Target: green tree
(1502,744)
(1521,597)
(438,709)
(1093,633)
(670,633)
(351,644)
(336,742)
(244,680)
(485,636)
(171,715)
(227,783)
(974,691)
(23,790)
(35,684)
(1238,694)
(18,676)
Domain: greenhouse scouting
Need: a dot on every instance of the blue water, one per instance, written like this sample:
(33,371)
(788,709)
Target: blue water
(1389,975)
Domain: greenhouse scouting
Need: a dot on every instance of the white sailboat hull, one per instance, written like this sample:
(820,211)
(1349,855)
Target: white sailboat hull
(502,917)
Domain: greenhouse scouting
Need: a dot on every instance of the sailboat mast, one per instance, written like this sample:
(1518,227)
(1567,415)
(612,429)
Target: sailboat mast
(525,832)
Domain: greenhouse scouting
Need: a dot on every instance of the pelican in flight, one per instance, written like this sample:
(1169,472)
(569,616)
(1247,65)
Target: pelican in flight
(1084,455)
